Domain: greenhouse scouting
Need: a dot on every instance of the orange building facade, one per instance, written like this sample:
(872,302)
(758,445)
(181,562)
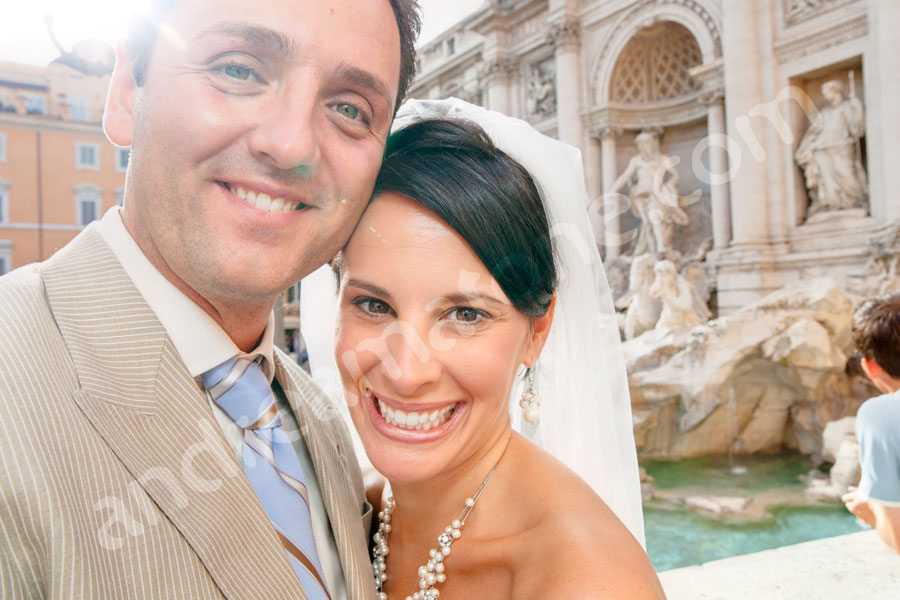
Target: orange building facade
(58,172)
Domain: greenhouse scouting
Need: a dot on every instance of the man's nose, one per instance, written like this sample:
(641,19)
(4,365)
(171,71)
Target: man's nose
(287,134)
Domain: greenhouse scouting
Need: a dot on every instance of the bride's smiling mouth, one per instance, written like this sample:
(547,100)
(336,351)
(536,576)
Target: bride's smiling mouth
(412,423)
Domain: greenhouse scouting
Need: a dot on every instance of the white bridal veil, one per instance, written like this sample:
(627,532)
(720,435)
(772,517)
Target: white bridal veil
(580,377)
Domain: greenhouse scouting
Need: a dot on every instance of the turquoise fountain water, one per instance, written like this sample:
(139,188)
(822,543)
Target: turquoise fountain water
(677,538)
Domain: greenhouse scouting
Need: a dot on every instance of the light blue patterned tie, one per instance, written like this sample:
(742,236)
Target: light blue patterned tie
(241,389)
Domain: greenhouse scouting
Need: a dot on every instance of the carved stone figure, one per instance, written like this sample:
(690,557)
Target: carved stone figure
(829,153)
(653,196)
(642,310)
(541,90)
(682,306)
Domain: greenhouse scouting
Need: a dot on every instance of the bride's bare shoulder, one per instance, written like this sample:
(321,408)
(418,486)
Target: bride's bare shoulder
(577,547)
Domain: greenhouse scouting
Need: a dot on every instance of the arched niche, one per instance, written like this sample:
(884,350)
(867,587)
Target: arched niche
(692,15)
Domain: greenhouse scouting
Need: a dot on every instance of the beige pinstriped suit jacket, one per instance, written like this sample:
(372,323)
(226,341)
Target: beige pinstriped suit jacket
(115,481)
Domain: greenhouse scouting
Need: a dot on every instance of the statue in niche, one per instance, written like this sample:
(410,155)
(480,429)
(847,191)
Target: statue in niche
(541,90)
(682,306)
(829,152)
(653,196)
(641,309)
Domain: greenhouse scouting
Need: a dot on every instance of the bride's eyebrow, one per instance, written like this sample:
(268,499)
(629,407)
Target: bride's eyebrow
(369,287)
(469,298)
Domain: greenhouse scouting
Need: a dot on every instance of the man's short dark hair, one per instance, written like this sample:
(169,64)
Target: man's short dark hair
(876,332)
(142,38)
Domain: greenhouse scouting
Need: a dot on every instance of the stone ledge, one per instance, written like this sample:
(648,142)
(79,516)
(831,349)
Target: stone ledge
(858,565)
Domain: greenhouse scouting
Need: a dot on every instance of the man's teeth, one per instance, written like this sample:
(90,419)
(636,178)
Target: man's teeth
(415,420)
(264,201)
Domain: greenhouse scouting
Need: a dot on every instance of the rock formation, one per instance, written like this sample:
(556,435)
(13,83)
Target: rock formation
(782,359)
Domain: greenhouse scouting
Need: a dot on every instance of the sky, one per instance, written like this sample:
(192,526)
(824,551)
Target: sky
(23,34)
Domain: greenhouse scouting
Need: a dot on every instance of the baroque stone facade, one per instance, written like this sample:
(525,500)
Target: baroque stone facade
(730,89)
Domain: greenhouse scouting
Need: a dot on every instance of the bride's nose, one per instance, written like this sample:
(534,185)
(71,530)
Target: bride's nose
(411,363)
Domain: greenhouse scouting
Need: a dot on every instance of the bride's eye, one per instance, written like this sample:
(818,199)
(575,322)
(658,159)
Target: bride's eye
(467,315)
(372,306)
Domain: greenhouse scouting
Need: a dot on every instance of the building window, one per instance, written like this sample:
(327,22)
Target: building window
(120,196)
(451,46)
(77,109)
(5,257)
(418,66)
(122,157)
(35,105)
(4,201)
(87,203)
(87,156)
(3,136)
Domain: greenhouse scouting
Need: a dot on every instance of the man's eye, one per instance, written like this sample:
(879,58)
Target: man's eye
(347,110)
(238,72)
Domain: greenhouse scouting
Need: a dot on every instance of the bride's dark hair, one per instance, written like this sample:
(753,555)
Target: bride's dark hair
(452,168)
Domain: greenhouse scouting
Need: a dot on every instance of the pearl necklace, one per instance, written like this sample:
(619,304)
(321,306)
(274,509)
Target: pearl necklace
(432,572)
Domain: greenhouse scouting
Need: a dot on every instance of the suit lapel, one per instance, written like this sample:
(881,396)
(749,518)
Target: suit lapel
(334,460)
(137,393)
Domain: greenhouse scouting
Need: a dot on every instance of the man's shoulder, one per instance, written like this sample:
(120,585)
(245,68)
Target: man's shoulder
(880,414)
(21,296)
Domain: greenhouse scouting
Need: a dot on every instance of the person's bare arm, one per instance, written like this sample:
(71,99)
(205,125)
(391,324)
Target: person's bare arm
(882,518)
(625,176)
(887,523)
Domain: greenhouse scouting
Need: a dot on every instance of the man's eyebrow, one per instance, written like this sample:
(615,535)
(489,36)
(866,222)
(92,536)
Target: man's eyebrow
(262,37)
(364,79)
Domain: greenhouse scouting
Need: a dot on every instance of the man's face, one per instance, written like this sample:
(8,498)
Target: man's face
(256,138)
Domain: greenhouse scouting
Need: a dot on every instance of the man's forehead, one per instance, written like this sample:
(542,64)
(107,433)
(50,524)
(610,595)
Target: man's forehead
(360,36)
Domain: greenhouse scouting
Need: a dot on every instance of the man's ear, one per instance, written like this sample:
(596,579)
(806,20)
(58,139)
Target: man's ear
(540,329)
(118,117)
(871,368)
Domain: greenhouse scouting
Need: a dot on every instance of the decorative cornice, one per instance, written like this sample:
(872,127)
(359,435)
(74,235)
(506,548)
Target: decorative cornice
(817,41)
(45,123)
(644,116)
(711,96)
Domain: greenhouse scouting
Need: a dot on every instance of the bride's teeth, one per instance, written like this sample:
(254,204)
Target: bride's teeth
(413,421)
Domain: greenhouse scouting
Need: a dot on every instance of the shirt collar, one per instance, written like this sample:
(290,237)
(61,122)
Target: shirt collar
(198,339)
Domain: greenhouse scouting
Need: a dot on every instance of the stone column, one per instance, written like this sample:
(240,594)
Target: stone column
(594,182)
(495,73)
(610,206)
(882,118)
(564,37)
(720,201)
(743,92)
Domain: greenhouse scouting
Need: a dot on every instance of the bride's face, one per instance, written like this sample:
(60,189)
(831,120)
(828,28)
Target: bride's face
(427,344)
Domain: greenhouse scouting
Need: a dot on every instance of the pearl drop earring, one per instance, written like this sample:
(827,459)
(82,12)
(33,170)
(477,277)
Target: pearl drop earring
(531,406)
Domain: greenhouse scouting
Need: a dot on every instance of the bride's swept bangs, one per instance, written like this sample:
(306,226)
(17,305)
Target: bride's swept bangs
(452,168)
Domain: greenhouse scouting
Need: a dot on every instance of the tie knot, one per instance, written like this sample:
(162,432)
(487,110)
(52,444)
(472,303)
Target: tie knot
(241,389)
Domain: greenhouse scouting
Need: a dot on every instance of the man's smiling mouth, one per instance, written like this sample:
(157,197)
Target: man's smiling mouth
(261,200)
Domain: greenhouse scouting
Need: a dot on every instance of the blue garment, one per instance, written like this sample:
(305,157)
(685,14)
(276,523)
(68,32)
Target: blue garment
(878,433)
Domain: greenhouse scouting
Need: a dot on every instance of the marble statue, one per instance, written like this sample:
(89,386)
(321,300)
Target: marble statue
(653,196)
(642,310)
(541,90)
(682,306)
(829,153)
